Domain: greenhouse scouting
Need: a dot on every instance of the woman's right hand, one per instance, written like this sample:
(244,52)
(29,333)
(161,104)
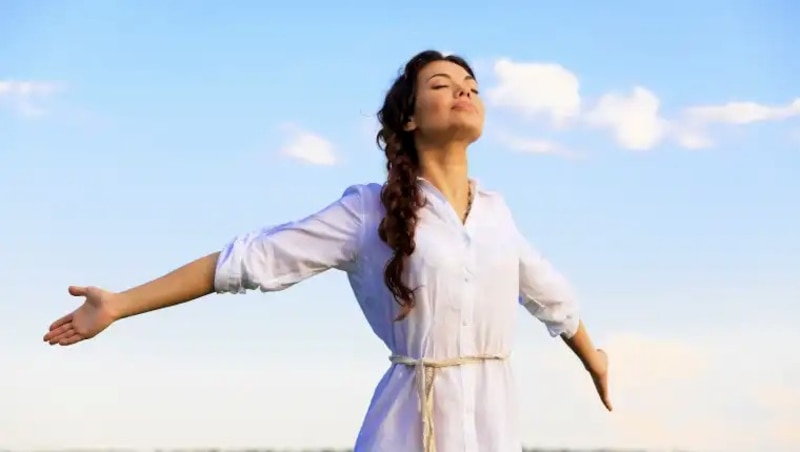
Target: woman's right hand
(93,316)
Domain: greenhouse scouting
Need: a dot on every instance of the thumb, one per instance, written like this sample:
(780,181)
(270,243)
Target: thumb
(78,291)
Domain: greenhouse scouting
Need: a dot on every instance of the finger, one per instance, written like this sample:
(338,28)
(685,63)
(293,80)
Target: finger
(75,338)
(604,394)
(601,386)
(78,291)
(57,331)
(606,399)
(55,339)
(62,321)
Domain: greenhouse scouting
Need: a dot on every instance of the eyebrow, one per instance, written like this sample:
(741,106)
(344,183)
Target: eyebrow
(442,74)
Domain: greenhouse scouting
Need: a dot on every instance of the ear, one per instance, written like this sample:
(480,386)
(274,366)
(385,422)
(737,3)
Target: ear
(410,126)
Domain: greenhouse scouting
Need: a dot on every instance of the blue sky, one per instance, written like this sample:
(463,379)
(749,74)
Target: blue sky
(650,150)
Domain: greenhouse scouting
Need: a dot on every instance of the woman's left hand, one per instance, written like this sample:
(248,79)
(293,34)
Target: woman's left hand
(599,372)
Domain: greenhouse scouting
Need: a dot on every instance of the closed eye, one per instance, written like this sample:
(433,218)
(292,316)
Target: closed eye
(446,86)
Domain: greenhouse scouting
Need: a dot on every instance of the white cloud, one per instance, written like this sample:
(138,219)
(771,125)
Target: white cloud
(308,147)
(536,90)
(690,137)
(536,146)
(691,128)
(741,113)
(25,88)
(26,97)
(635,121)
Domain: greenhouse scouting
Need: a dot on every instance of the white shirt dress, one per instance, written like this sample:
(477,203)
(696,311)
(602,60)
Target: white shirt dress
(449,385)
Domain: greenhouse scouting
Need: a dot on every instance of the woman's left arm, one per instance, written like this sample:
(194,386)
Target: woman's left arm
(547,295)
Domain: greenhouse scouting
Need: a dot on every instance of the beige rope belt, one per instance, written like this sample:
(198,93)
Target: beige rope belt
(426,372)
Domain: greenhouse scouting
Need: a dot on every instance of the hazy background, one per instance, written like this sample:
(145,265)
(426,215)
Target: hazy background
(650,149)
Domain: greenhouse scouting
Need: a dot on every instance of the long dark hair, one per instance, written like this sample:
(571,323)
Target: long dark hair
(401,196)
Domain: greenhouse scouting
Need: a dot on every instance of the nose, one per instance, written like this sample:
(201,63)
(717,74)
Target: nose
(461,91)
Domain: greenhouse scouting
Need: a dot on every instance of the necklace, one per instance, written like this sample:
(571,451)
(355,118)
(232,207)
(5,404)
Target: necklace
(470,197)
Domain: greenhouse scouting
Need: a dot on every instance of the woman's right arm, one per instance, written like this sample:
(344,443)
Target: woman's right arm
(270,259)
(191,281)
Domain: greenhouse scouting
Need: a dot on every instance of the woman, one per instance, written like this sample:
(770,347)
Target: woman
(434,259)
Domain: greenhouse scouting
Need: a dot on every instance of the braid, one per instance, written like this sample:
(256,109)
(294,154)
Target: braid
(401,198)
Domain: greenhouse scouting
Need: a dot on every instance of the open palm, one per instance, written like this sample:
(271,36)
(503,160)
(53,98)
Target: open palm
(87,321)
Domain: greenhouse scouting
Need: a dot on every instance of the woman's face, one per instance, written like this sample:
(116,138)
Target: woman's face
(447,103)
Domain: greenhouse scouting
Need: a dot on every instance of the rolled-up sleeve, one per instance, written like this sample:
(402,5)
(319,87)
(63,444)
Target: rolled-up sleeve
(545,293)
(277,257)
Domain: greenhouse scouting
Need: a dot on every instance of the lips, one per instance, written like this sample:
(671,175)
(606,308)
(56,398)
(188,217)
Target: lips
(463,105)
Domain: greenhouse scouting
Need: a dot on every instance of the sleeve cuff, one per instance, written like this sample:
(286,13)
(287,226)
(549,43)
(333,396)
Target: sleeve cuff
(227,277)
(566,328)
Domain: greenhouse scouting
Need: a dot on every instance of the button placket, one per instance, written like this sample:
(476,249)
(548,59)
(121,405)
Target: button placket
(468,297)
(467,337)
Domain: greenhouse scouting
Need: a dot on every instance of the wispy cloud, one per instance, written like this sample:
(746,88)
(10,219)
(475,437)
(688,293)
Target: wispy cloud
(27,98)
(723,390)
(551,92)
(696,120)
(536,146)
(307,146)
(742,112)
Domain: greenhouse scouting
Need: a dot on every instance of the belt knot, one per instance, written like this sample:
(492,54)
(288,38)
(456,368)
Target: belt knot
(425,370)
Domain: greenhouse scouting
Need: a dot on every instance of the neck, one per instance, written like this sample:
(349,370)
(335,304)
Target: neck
(445,167)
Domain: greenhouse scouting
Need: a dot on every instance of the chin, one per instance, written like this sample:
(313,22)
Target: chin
(467,135)
(464,131)
(469,131)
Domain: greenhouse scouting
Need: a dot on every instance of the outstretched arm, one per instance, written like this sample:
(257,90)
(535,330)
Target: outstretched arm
(269,259)
(189,282)
(548,296)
